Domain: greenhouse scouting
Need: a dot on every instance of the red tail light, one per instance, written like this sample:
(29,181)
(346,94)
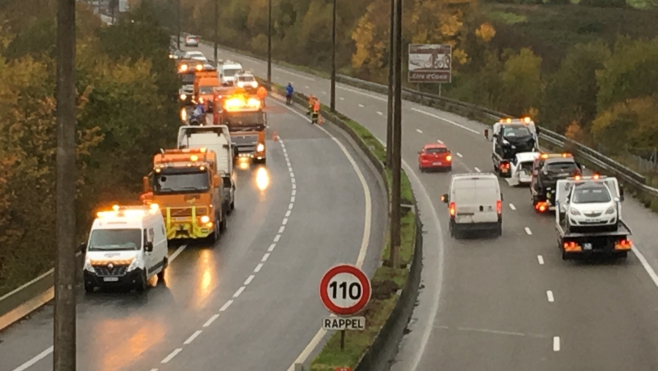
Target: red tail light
(504,165)
(453,209)
(499,207)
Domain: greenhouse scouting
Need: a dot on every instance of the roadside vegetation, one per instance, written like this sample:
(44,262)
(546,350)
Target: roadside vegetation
(584,68)
(126,110)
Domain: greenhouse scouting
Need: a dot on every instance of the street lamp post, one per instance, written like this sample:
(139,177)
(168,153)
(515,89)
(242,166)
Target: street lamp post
(397,142)
(178,21)
(333,61)
(64,331)
(269,42)
(216,27)
(391,69)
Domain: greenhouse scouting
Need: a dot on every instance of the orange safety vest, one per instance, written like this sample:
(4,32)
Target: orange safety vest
(262,92)
(316,106)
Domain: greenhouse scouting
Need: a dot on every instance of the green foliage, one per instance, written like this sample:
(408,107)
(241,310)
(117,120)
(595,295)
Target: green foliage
(521,83)
(124,115)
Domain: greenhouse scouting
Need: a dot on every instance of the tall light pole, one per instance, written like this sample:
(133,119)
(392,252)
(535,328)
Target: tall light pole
(397,142)
(216,27)
(269,42)
(64,332)
(391,68)
(333,61)
(178,21)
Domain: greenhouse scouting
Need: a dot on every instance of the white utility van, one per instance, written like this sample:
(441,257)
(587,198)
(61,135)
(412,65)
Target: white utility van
(126,247)
(216,138)
(227,72)
(475,203)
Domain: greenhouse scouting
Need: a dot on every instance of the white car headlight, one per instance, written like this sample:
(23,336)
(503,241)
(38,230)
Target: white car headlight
(241,84)
(611,210)
(574,212)
(133,265)
(254,84)
(88,267)
(260,147)
(183,96)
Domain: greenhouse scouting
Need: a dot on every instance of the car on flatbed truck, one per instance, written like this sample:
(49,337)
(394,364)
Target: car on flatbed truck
(547,169)
(511,136)
(586,208)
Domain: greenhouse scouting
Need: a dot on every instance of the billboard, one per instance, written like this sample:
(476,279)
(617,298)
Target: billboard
(430,63)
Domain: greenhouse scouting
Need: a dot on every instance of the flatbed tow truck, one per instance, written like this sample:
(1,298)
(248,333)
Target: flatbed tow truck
(584,243)
(509,137)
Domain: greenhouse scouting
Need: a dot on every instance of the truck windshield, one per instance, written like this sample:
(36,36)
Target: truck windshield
(239,120)
(230,72)
(181,182)
(115,239)
(591,195)
(205,90)
(187,78)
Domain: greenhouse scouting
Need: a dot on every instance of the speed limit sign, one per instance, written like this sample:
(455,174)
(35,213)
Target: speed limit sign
(345,290)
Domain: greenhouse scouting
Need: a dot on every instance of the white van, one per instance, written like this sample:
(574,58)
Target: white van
(126,247)
(227,72)
(475,203)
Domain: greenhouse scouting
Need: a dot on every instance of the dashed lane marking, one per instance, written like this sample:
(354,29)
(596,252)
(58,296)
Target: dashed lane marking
(549,296)
(249,279)
(211,320)
(511,206)
(380,113)
(556,343)
(191,338)
(540,259)
(446,120)
(476,169)
(420,131)
(172,355)
(360,105)
(459,155)
(239,292)
(528,231)
(258,268)
(226,305)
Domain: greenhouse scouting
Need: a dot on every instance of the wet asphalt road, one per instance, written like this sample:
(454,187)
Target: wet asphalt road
(255,292)
(509,303)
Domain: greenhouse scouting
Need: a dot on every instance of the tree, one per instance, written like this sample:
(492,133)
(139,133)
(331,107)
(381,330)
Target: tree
(522,85)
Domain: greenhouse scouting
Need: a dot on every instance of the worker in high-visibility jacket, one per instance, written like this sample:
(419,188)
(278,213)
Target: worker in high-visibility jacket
(316,111)
(311,102)
(262,93)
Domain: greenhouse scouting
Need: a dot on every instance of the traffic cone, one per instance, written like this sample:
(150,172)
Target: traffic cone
(275,137)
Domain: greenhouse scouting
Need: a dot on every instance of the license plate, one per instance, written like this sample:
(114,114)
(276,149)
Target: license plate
(587,246)
(591,220)
(111,279)
(436,163)
(181,218)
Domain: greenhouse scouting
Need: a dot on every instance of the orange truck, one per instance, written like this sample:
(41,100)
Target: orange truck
(186,69)
(185,186)
(204,84)
(246,122)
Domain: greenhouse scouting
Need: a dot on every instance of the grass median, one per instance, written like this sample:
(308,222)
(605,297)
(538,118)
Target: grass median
(387,280)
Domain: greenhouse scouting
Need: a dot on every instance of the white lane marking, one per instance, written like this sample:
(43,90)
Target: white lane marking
(285,221)
(294,192)
(528,231)
(307,87)
(225,306)
(294,74)
(645,264)
(289,168)
(282,229)
(362,93)
(556,343)
(292,180)
(272,246)
(34,360)
(511,206)
(420,131)
(277,238)
(292,175)
(459,155)
(440,141)
(366,231)
(360,105)
(341,98)
(172,355)
(380,113)
(249,279)
(265,257)
(154,369)
(176,253)
(290,206)
(445,119)
(476,169)
(258,267)
(239,292)
(549,296)
(211,320)
(540,259)
(191,338)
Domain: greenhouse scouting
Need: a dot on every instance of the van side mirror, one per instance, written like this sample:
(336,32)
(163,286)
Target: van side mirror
(486,133)
(216,181)
(445,198)
(82,247)
(148,247)
(145,184)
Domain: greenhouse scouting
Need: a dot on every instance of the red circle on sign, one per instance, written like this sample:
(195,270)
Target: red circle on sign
(360,276)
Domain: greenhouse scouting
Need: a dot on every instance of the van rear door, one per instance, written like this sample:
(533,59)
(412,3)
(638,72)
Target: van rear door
(475,200)
(488,194)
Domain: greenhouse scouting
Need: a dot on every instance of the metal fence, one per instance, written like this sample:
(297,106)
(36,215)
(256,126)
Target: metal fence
(485,115)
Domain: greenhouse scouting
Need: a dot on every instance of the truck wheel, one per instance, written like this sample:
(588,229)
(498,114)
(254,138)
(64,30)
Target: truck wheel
(499,230)
(142,282)
(224,223)
(217,231)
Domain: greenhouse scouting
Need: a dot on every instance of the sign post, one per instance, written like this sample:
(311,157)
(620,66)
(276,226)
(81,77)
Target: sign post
(430,63)
(344,290)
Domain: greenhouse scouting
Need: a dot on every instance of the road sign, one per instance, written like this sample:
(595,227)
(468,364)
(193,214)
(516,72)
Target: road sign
(344,323)
(345,290)
(430,63)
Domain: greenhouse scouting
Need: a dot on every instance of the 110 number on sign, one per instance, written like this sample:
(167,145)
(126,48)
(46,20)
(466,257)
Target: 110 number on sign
(345,290)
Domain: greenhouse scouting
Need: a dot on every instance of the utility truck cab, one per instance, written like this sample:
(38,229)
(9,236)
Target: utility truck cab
(215,138)
(246,122)
(227,72)
(127,246)
(474,204)
(509,137)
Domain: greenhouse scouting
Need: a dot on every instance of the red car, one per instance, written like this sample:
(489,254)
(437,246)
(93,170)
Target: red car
(434,156)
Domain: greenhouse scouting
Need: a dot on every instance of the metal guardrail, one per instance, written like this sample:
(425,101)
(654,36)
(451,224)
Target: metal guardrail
(596,158)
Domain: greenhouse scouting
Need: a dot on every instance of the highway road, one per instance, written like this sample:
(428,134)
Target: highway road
(509,303)
(251,302)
